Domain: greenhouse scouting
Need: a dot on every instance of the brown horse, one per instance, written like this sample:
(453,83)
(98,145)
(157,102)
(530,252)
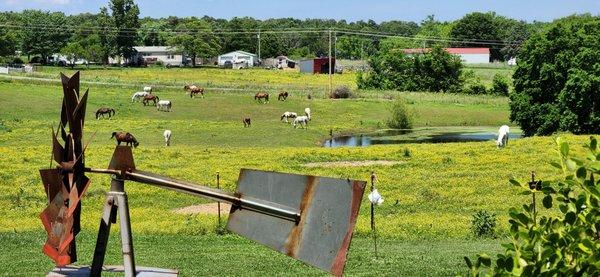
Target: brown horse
(246,121)
(282,96)
(128,138)
(103,111)
(262,96)
(194,90)
(150,97)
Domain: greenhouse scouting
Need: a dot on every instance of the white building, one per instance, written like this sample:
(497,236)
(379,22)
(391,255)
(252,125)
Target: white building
(467,55)
(168,55)
(238,57)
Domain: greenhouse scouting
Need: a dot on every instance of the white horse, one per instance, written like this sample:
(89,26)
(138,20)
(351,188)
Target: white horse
(167,135)
(302,121)
(164,105)
(287,115)
(307,113)
(503,133)
(139,95)
(148,89)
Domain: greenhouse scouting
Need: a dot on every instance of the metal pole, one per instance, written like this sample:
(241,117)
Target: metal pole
(330,77)
(219,203)
(373,177)
(258,37)
(126,237)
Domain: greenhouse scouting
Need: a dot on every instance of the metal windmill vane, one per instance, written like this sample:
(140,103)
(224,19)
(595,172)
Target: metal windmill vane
(308,218)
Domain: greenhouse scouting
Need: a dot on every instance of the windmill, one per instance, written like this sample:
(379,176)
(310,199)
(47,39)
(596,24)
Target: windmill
(309,218)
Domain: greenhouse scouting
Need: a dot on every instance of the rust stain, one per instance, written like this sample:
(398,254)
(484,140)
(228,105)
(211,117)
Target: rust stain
(358,188)
(295,237)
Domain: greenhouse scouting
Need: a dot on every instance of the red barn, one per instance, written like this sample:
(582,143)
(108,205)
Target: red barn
(317,65)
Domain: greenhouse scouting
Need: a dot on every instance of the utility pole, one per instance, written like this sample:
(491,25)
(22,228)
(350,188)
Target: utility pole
(330,72)
(258,37)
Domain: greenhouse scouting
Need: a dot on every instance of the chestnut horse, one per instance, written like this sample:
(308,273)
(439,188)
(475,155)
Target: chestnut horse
(150,97)
(282,96)
(194,90)
(246,121)
(262,96)
(128,138)
(103,111)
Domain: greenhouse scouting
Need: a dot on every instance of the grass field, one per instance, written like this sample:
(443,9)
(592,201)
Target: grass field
(438,187)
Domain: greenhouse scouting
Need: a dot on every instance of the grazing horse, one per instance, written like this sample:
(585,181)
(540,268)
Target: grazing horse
(167,135)
(148,89)
(128,138)
(103,111)
(246,121)
(282,96)
(139,95)
(150,97)
(302,121)
(287,115)
(164,105)
(262,96)
(503,133)
(194,90)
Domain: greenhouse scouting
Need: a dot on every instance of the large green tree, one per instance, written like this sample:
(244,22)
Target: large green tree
(125,19)
(478,30)
(557,80)
(196,39)
(44,35)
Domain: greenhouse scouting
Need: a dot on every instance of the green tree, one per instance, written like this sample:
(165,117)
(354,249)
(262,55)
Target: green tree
(40,40)
(152,33)
(125,19)
(477,30)
(562,242)
(353,47)
(557,79)
(73,51)
(433,32)
(196,40)
(106,36)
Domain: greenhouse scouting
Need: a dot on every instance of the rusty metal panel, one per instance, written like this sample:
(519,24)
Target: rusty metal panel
(328,209)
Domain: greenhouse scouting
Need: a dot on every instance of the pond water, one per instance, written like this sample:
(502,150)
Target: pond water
(420,135)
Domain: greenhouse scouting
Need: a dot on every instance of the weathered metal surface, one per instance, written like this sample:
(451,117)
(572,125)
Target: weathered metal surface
(328,210)
(122,159)
(85,271)
(65,184)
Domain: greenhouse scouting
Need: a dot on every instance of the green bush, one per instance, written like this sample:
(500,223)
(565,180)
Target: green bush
(500,85)
(565,240)
(483,224)
(435,70)
(401,116)
(342,92)
(476,88)
(557,79)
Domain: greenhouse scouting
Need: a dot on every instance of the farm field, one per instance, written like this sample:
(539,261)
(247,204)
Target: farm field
(423,224)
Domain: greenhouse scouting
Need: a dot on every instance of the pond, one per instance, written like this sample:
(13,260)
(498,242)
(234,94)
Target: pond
(420,135)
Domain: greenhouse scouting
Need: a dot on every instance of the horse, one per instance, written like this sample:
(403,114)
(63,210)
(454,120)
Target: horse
(128,138)
(246,121)
(307,113)
(139,95)
(503,133)
(302,121)
(150,97)
(194,90)
(262,96)
(103,111)
(148,89)
(282,96)
(167,135)
(164,105)
(287,115)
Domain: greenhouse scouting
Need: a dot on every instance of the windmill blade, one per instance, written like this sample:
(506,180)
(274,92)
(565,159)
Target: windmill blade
(328,210)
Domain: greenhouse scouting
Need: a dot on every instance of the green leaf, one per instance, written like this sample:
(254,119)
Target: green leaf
(468,261)
(557,165)
(547,201)
(571,165)
(485,259)
(525,192)
(564,149)
(515,182)
(584,248)
(581,173)
(570,218)
(593,143)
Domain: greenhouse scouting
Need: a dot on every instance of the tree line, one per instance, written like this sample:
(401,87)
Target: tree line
(116,28)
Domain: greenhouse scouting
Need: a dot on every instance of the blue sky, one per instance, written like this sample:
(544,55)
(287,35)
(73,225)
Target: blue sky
(351,10)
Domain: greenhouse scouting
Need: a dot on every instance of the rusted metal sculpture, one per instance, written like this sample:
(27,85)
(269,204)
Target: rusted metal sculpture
(309,218)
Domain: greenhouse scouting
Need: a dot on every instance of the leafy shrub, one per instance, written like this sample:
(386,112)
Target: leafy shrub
(435,70)
(483,224)
(476,88)
(401,117)
(557,79)
(37,59)
(567,241)
(159,63)
(341,93)
(500,85)
(407,152)
(17,60)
